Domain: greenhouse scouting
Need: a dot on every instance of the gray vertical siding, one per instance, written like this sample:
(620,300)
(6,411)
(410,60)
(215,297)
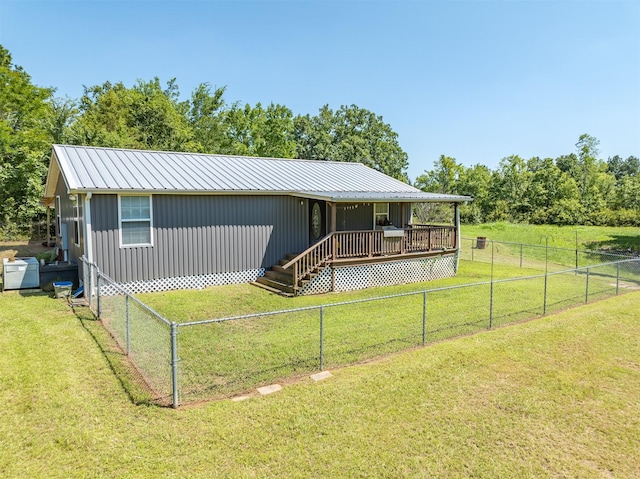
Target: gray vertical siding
(395,214)
(360,218)
(196,235)
(66,216)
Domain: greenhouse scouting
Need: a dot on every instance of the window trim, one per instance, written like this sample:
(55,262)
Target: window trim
(376,214)
(121,221)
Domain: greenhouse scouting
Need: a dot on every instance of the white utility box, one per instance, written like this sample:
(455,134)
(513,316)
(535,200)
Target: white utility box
(20,273)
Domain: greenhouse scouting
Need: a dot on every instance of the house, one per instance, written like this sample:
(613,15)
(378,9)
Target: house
(156,221)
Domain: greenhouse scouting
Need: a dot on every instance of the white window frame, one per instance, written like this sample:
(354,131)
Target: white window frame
(377,214)
(121,221)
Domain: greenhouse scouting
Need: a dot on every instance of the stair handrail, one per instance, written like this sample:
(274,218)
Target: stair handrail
(320,260)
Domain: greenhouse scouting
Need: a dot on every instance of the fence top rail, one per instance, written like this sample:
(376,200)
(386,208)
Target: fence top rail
(586,251)
(124,291)
(133,298)
(330,305)
(390,296)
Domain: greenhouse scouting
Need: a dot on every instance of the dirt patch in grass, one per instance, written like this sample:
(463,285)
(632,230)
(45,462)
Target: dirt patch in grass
(22,248)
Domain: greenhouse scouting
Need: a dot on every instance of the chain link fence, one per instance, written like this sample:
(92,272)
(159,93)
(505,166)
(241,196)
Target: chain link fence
(538,257)
(183,363)
(142,334)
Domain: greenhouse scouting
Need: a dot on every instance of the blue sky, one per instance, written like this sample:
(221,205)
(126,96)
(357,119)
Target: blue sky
(476,80)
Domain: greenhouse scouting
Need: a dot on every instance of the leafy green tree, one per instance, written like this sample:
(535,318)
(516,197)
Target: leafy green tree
(443,178)
(205,117)
(621,168)
(144,116)
(259,132)
(64,111)
(550,187)
(475,182)
(25,146)
(509,187)
(351,134)
(595,183)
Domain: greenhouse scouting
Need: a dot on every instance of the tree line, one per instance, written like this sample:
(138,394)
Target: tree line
(575,189)
(152,116)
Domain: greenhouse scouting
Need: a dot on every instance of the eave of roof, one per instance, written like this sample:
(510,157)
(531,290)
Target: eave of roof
(387,197)
(125,171)
(330,196)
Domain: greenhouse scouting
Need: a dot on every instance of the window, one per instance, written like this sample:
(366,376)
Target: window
(135,220)
(380,214)
(76,224)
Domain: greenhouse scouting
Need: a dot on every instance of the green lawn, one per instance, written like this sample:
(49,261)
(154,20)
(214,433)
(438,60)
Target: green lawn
(554,397)
(589,237)
(518,244)
(222,359)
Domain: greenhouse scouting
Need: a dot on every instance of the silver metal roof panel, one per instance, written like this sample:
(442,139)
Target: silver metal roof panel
(86,168)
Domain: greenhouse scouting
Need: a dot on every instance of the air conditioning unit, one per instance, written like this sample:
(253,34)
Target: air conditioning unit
(20,273)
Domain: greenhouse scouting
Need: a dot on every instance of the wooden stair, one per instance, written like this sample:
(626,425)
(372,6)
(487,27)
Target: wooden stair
(280,281)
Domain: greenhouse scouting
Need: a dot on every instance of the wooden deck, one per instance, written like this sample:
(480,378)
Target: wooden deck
(361,247)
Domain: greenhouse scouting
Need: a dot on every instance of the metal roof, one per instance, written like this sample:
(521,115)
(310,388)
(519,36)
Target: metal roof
(360,196)
(111,170)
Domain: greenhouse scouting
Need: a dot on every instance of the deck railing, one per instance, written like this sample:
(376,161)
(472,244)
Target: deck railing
(311,259)
(346,245)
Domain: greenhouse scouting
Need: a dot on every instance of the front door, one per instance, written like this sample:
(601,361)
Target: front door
(317,220)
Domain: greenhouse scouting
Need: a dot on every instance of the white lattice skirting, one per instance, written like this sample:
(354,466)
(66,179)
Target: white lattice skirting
(364,276)
(185,282)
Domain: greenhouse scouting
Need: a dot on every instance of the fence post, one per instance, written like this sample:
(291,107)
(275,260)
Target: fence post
(424,317)
(586,293)
(321,338)
(546,255)
(98,294)
(546,277)
(174,364)
(617,277)
(491,291)
(544,300)
(89,286)
(128,323)
(576,252)
(472,248)
(521,255)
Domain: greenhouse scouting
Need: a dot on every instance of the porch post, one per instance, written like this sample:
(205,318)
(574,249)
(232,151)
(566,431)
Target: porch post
(402,225)
(332,230)
(456,207)
(48,227)
(332,225)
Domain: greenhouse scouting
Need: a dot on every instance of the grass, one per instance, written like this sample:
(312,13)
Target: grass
(555,397)
(617,239)
(228,358)
(241,299)
(518,244)
(224,359)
